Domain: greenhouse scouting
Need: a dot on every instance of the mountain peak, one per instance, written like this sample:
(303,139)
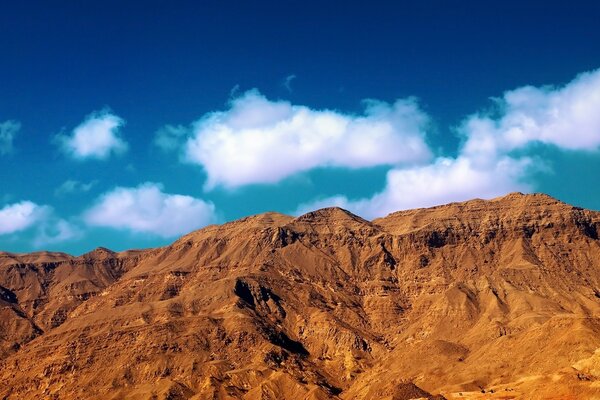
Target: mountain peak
(532,197)
(329,214)
(266,218)
(99,252)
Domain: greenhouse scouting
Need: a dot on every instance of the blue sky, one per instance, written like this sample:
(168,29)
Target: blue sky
(127,124)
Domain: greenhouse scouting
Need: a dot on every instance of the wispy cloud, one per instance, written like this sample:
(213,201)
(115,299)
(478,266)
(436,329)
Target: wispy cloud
(72,186)
(235,90)
(171,137)
(287,82)
(262,141)
(147,209)
(97,137)
(8,131)
(56,230)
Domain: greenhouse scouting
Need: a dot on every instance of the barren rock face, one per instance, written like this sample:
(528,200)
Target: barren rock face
(499,296)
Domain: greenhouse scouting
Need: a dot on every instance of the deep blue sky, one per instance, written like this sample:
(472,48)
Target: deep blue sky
(154,63)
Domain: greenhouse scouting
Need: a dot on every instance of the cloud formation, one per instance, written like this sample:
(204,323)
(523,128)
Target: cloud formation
(47,226)
(97,137)
(446,180)
(257,140)
(147,209)
(489,163)
(19,216)
(566,117)
(262,141)
(8,131)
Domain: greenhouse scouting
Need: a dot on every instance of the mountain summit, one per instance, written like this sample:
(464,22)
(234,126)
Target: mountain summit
(498,296)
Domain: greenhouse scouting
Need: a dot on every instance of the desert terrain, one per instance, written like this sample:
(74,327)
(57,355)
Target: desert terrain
(485,299)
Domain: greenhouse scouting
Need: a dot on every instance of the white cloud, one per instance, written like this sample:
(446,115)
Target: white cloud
(72,186)
(567,117)
(444,181)
(96,137)
(147,209)
(8,131)
(48,227)
(20,216)
(486,166)
(263,141)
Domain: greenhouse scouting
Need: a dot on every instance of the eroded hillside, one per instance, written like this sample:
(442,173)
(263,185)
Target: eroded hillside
(499,296)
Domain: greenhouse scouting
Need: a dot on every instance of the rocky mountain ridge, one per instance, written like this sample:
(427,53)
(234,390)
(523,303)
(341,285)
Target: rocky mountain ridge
(500,296)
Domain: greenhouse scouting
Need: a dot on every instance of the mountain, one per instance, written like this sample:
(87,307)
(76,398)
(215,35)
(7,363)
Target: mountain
(480,299)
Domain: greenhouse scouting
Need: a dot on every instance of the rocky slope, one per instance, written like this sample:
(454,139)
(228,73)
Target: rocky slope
(481,299)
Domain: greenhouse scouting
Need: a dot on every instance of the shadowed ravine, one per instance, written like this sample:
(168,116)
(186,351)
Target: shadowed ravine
(498,296)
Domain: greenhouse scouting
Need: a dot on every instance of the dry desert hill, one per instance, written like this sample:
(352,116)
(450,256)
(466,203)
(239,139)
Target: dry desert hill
(495,299)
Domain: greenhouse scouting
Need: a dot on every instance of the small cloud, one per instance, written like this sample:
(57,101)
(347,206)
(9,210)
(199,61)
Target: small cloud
(73,186)
(8,131)
(170,138)
(21,216)
(147,209)
(287,82)
(97,137)
(234,91)
(48,227)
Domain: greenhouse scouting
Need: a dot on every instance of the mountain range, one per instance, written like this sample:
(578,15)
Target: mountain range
(491,299)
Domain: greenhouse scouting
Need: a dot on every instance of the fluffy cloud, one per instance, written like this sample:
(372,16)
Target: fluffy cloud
(8,131)
(487,165)
(446,180)
(566,117)
(146,209)
(20,216)
(263,141)
(97,137)
(26,215)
